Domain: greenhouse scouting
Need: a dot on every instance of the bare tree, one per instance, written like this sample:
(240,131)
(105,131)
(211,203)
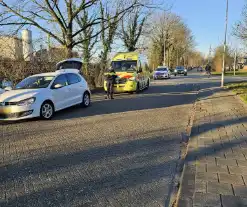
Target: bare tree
(109,29)
(46,15)
(170,37)
(161,35)
(132,28)
(88,38)
(135,25)
(240,28)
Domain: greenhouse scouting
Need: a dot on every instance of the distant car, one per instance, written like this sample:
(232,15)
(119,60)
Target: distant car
(180,70)
(199,69)
(43,94)
(162,73)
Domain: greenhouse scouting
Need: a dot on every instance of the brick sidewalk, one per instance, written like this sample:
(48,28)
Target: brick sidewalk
(215,172)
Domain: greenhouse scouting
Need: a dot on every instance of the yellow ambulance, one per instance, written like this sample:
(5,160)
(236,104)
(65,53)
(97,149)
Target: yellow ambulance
(132,71)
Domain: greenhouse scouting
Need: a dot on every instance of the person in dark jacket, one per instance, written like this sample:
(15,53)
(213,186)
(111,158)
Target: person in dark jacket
(208,70)
(110,80)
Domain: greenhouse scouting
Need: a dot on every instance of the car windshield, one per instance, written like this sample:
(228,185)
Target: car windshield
(35,82)
(161,69)
(180,68)
(125,65)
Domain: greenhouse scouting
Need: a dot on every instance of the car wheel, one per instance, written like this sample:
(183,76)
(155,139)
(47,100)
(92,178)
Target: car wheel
(46,110)
(175,74)
(86,101)
(185,74)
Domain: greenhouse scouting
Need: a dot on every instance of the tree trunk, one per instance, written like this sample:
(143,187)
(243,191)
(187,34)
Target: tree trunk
(103,67)
(104,60)
(86,65)
(69,52)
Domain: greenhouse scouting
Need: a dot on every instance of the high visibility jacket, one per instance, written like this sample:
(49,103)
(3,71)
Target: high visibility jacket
(110,77)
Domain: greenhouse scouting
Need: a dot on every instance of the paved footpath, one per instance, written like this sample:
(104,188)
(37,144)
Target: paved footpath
(215,172)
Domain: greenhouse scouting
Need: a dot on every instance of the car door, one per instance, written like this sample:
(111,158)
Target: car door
(60,95)
(75,88)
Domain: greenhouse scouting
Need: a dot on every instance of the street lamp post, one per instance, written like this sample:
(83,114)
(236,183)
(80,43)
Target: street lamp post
(224,53)
(164,63)
(235,62)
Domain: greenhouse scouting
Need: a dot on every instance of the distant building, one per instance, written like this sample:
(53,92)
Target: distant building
(11,47)
(15,48)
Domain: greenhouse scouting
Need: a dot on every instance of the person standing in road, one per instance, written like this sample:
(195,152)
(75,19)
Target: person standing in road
(110,80)
(208,70)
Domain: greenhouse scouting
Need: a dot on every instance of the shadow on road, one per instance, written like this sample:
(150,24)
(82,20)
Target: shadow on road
(100,172)
(154,98)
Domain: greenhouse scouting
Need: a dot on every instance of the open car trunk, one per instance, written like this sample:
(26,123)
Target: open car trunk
(69,64)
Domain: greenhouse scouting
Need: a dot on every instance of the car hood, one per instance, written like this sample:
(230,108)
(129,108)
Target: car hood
(18,95)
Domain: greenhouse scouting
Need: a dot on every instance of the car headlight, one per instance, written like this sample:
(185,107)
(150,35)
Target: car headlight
(175,70)
(185,70)
(26,102)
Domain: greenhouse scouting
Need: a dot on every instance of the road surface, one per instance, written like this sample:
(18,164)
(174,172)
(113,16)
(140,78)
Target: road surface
(122,152)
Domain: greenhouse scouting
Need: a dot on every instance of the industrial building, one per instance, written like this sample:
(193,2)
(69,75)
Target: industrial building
(15,48)
(11,48)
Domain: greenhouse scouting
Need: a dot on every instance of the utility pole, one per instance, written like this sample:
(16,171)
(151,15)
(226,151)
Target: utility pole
(209,54)
(224,53)
(235,62)
(164,63)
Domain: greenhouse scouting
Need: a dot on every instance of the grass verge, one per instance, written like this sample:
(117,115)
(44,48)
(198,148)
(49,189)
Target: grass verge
(240,89)
(231,73)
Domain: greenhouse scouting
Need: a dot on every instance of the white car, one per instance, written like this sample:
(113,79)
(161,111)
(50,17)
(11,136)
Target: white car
(162,73)
(43,94)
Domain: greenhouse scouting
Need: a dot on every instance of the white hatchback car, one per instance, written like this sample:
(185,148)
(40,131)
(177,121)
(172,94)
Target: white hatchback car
(43,94)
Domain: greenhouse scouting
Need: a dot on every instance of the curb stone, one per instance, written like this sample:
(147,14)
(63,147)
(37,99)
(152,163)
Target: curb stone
(186,183)
(182,171)
(187,178)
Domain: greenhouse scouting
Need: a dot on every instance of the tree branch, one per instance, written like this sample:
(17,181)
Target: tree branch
(31,22)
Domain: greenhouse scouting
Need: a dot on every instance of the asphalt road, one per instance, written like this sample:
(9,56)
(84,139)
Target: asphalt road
(121,152)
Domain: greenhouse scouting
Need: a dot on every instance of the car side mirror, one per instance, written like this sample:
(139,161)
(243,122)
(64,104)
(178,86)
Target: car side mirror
(57,86)
(8,88)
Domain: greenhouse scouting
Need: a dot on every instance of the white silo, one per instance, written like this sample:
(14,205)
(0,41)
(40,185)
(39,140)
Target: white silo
(27,44)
